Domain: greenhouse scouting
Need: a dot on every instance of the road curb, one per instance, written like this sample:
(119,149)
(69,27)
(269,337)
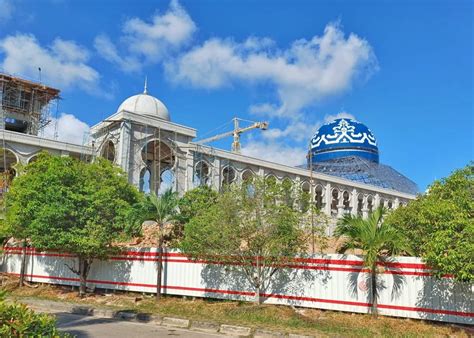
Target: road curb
(147,318)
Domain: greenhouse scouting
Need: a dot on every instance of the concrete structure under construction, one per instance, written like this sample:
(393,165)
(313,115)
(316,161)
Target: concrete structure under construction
(343,173)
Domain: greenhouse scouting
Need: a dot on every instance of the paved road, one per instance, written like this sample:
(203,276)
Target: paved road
(88,326)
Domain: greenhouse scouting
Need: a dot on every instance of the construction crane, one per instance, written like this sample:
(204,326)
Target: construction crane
(236,133)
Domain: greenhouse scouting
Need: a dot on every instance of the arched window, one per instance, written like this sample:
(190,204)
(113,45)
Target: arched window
(8,160)
(145,180)
(228,176)
(158,158)
(247,180)
(287,185)
(270,179)
(33,158)
(360,204)
(247,175)
(390,205)
(167,181)
(305,199)
(108,151)
(201,173)
(319,196)
(370,203)
(346,201)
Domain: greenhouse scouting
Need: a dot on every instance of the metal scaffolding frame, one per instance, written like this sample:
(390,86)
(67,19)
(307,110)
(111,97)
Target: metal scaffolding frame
(26,106)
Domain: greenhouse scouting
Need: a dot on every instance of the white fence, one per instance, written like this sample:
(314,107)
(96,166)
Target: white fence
(333,282)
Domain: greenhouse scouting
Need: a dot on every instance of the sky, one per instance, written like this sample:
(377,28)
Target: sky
(403,68)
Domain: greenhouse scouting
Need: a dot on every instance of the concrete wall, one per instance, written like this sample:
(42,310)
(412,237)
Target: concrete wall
(332,282)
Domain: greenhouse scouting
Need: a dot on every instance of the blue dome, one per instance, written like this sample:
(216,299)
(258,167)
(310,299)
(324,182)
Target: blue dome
(341,138)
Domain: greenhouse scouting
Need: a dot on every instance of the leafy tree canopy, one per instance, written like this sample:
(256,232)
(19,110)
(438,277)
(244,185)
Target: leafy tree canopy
(440,224)
(64,204)
(250,224)
(195,201)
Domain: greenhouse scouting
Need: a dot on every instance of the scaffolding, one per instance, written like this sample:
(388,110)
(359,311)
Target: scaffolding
(25,106)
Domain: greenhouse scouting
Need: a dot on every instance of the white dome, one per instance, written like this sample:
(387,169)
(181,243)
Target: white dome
(146,105)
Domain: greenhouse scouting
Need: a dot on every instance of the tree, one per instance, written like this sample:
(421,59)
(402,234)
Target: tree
(195,201)
(161,209)
(376,238)
(18,231)
(72,206)
(251,229)
(440,224)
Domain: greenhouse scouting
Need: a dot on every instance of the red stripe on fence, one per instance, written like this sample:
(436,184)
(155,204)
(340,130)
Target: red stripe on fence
(291,266)
(269,295)
(302,260)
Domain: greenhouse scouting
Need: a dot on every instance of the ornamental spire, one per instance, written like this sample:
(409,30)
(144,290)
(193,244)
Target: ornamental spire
(145,89)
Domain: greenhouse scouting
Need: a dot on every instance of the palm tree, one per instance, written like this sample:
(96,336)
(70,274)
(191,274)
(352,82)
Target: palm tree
(161,209)
(377,239)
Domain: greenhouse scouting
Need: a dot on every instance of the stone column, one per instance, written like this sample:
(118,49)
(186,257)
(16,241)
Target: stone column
(215,174)
(354,202)
(376,201)
(340,208)
(396,203)
(365,209)
(189,171)
(124,146)
(327,199)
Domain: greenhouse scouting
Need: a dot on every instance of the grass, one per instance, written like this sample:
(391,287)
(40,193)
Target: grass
(270,317)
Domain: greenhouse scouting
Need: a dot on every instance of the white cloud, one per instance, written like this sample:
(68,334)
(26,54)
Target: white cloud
(149,42)
(289,145)
(63,64)
(295,130)
(70,129)
(341,115)
(275,152)
(308,71)
(300,130)
(108,51)
(6,10)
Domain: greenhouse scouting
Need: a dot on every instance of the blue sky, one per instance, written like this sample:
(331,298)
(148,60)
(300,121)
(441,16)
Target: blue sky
(404,68)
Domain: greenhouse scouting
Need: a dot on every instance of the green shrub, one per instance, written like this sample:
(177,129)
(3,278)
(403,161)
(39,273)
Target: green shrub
(16,320)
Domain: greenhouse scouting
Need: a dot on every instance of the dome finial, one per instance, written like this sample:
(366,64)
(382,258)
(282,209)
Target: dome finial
(145,89)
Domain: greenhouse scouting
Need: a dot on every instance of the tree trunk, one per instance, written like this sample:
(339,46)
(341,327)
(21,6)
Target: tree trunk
(258,283)
(84,266)
(258,299)
(160,266)
(23,263)
(373,288)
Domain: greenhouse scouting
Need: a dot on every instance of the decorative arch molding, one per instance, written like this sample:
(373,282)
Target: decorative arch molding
(8,161)
(202,173)
(229,175)
(158,160)
(247,174)
(370,203)
(33,158)
(346,201)
(108,150)
(319,193)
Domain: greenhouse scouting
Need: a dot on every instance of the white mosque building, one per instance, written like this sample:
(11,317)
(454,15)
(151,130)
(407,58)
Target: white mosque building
(343,174)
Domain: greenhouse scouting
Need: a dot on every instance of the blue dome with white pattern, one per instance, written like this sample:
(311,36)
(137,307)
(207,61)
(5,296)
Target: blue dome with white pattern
(342,138)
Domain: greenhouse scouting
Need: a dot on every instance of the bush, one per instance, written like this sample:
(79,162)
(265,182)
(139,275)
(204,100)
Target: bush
(16,320)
